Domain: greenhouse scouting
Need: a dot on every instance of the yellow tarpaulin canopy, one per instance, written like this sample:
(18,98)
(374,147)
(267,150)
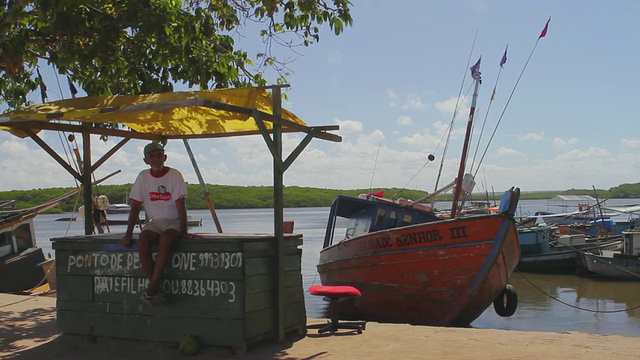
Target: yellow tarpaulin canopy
(167,114)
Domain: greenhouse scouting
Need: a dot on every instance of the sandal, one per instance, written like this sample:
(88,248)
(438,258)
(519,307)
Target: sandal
(146,298)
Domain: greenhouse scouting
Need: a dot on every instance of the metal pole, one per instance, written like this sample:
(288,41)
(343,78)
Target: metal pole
(205,190)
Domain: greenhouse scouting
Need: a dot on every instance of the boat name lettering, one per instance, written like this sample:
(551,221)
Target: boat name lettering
(458,232)
(188,261)
(378,242)
(193,287)
(418,237)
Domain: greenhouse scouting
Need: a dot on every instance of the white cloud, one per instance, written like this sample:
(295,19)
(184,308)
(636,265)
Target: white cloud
(420,141)
(393,97)
(448,107)
(627,144)
(409,102)
(404,120)
(414,102)
(349,127)
(532,136)
(558,143)
(577,155)
(505,151)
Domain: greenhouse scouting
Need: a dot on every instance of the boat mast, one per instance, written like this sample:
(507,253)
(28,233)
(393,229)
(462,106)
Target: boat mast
(475,72)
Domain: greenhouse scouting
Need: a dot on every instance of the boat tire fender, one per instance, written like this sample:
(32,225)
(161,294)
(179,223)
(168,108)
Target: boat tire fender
(506,303)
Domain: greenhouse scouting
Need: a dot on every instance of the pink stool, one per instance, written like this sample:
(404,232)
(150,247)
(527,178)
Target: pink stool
(335,294)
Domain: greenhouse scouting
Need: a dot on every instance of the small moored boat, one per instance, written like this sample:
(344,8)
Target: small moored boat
(623,264)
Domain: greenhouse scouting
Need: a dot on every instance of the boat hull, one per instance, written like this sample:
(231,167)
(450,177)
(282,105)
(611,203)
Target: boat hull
(558,261)
(443,273)
(623,267)
(21,272)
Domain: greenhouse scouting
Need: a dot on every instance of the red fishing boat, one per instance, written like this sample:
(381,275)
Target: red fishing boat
(415,267)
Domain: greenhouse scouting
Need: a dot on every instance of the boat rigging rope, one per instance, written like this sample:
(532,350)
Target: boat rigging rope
(435,150)
(486,115)
(455,113)
(507,103)
(573,306)
(375,163)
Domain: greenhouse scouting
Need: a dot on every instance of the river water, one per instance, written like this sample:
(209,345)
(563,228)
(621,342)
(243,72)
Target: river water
(553,303)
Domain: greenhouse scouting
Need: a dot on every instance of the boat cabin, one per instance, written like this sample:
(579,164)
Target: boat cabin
(369,213)
(19,256)
(15,235)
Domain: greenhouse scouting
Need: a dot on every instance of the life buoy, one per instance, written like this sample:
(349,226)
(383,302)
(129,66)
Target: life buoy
(506,303)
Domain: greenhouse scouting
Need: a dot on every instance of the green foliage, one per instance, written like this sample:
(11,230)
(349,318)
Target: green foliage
(250,197)
(625,191)
(141,47)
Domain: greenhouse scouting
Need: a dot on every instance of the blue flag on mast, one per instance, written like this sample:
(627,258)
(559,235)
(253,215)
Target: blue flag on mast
(475,69)
(504,57)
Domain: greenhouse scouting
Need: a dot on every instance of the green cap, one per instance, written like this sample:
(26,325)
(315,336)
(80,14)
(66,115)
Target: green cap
(153,146)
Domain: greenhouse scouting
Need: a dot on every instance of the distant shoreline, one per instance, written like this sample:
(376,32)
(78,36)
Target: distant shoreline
(257,197)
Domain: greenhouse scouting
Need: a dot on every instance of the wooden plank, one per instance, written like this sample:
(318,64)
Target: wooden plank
(221,242)
(74,288)
(260,325)
(199,265)
(262,282)
(292,262)
(259,266)
(260,322)
(295,314)
(258,283)
(264,300)
(258,301)
(190,291)
(135,306)
(211,331)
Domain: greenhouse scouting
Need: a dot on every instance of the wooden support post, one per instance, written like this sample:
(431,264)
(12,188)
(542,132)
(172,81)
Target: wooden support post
(278,208)
(86,179)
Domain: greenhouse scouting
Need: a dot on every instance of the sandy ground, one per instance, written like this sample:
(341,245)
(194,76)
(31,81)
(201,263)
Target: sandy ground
(28,331)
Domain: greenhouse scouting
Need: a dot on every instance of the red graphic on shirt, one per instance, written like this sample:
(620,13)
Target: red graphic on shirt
(161,195)
(155,196)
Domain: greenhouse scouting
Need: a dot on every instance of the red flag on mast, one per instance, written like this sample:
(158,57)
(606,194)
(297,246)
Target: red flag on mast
(544,31)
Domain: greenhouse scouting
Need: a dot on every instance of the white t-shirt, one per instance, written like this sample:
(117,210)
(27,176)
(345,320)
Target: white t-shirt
(159,194)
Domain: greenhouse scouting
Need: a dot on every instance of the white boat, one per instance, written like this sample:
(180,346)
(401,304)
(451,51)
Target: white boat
(118,208)
(615,264)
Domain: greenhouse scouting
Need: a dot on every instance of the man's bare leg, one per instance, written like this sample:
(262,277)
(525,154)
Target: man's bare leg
(145,241)
(164,251)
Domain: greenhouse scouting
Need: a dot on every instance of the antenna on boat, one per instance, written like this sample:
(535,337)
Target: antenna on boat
(374,167)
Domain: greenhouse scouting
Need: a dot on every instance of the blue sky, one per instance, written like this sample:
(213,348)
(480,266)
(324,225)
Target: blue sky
(391,82)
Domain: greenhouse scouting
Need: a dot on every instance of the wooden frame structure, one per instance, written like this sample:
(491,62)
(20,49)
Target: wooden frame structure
(23,123)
